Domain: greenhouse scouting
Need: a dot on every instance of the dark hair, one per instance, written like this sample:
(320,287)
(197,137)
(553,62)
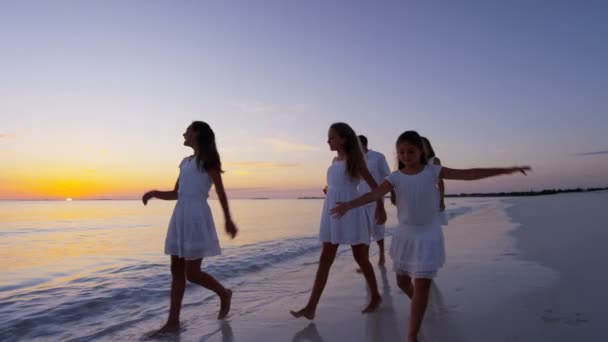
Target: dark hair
(354,155)
(363,140)
(426,142)
(208,158)
(413,138)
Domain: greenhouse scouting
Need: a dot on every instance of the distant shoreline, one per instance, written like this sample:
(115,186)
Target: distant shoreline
(488,194)
(527,193)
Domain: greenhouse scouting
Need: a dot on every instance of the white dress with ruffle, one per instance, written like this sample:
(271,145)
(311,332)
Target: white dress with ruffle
(191,234)
(355,226)
(417,247)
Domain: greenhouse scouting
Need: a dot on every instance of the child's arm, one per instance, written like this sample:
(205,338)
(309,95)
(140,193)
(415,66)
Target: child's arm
(216,177)
(441,188)
(393,197)
(385,171)
(442,194)
(380,212)
(164,195)
(474,174)
(374,195)
(368,178)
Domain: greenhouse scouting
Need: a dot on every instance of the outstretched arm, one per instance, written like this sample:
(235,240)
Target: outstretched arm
(375,195)
(164,195)
(480,173)
(216,177)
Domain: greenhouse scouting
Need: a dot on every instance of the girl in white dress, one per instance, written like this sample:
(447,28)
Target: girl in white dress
(417,248)
(343,177)
(191,235)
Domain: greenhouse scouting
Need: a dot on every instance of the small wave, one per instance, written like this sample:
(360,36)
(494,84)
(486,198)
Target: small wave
(455,212)
(108,300)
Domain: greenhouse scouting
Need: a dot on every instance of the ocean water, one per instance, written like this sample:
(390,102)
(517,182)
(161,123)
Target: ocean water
(88,270)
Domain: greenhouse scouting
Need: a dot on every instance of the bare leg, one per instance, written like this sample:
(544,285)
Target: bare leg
(328,254)
(360,253)
(405,283)
(368,248)
(204,279)
(381,261)
(422,288)
(178,285)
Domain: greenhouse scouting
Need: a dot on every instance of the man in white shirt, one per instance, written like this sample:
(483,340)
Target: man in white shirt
(378,167)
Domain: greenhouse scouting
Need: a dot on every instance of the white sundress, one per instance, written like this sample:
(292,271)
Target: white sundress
(191,234)
(353,228)
(417,247)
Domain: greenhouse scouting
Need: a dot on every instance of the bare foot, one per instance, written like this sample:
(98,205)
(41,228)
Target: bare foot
(225,304)
(373,305)
(166,329)
(306,312)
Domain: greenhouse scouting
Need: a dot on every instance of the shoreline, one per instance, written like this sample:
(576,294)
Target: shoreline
(483,285)
(519,269)
(566,234)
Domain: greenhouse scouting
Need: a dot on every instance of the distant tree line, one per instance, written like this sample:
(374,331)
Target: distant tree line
(526,193)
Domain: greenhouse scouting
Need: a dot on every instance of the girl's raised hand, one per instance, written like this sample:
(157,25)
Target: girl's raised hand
(393,198)
(340,209)
(231,229)
(380,215)
(521,169)
(147,196)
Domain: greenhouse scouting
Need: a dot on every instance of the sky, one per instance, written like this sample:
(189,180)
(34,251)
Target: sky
(95,95)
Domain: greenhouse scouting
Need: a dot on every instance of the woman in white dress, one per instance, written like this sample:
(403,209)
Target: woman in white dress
(191,235)
(343,177)
(417,248)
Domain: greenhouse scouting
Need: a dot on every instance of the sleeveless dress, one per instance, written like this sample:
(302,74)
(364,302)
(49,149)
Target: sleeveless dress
(191,234)
(353,228)
(417,248)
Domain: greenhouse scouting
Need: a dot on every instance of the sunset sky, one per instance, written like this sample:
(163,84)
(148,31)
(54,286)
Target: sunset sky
(95,95)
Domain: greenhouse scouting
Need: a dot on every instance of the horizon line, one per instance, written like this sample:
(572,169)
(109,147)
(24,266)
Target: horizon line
(461,194)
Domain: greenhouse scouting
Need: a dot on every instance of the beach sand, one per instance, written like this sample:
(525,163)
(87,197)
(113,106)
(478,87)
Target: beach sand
(518,269)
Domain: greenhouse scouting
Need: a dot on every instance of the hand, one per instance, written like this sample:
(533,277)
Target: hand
(393,198)
(325,190)
(340,209)
(521,169)
(147,196)
(380,215)
(231,229)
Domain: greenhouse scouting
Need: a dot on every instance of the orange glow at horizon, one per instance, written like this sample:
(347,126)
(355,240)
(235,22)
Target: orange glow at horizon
(61,182)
